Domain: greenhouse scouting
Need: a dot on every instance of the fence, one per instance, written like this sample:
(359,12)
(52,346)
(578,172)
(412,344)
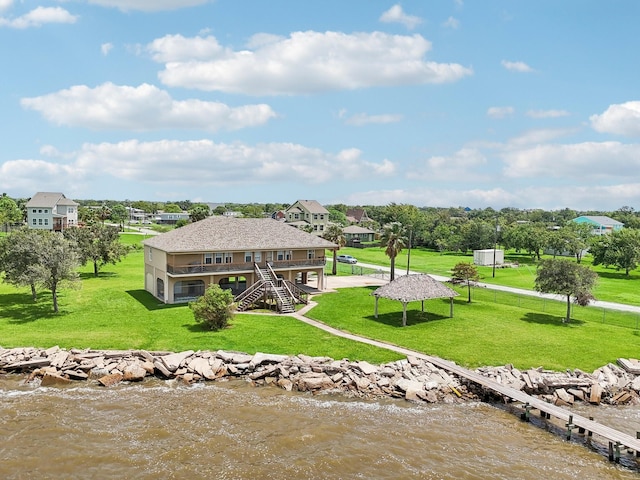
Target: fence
(557,308)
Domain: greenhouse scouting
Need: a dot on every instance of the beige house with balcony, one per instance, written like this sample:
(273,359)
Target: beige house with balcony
(235,253)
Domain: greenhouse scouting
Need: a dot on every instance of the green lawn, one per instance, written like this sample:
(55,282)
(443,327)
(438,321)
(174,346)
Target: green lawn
(613,286)
(113,311)
(487,333)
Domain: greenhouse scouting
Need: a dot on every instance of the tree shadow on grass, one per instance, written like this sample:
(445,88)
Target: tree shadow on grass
(20,308)
(101,275)
(618,275)
(553,320)
(150,302)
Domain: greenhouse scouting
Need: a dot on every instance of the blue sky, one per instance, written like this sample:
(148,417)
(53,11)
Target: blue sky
(495,103)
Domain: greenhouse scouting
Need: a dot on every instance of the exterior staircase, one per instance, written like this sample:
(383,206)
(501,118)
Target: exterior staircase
(285,293)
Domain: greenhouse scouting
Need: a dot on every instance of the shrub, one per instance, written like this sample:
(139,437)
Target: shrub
(215,308)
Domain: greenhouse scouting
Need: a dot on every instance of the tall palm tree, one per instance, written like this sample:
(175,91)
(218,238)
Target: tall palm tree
(393,239)
(334,234)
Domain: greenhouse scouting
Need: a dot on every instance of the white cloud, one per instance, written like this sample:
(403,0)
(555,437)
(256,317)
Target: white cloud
(587,161)
(539,136)
(619,119)
(182,164)
(5,4)
(467,164)
(305,62)
(145,107)
(452,22)
(38,17)
(517,66)
(396,15)
(500,112)
(360,119)
(547,113)
(148,5)
(105,48)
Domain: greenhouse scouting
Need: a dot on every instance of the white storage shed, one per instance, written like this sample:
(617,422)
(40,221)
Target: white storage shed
(485,257)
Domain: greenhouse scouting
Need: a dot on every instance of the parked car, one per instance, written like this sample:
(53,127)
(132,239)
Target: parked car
(347,259)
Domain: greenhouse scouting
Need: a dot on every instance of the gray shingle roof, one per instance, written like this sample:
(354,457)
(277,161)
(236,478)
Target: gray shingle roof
(313,206)
(356,229)
(236,234)
(410,288)
(49,199)
(602,220)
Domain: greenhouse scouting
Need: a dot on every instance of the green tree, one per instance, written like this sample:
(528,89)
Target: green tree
(119,214)
(97,243)
(334,234)
(172,208)
(215,308)
(337,216)
(182,222)
(393,240)
(252,211)
(199,211)
(465,273)
(564,277)
(20,252)
(219,210)
(9,212)
(620,248)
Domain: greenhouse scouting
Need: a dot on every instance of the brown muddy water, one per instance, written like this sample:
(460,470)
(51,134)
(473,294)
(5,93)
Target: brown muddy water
(158,430)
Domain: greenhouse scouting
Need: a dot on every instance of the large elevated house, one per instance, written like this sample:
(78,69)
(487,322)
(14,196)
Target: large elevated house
(242,254)
(51,211)
(600,224)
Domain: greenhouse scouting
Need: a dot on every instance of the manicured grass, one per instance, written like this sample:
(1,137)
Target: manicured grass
(613,286)
(487,333)
(113,311)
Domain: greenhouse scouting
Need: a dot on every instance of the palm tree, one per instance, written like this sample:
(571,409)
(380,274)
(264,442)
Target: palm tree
(334,234)
(394,241)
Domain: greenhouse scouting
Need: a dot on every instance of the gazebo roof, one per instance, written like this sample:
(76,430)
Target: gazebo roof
(411,288)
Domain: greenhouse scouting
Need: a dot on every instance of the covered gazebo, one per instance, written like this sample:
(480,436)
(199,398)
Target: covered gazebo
(411,288)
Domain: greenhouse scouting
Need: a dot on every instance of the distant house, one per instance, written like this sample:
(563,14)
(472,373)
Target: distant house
(51,211)
(308,212)
(170,218)
(357,234)
(600,224)
(357,215)
(231,252)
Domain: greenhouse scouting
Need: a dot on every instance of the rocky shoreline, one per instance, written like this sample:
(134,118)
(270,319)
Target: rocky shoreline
(413,379)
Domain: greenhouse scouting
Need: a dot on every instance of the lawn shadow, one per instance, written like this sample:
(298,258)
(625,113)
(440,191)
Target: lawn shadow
(414,317)
(618,275)
(553,320)
(101,275)
(150,302)
(20,308)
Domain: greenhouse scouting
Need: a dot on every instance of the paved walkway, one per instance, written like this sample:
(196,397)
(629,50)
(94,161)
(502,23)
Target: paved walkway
(365,280)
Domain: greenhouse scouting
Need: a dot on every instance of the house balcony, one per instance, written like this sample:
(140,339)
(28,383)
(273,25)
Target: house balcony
(214,268)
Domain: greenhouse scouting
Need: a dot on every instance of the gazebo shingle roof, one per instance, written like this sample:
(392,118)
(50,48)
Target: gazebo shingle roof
(411,288)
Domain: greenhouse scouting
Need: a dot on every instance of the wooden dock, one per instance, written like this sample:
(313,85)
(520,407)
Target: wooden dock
(617,440)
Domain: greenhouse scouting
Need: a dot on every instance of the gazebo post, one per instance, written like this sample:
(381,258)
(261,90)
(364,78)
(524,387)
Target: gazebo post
(376,309)
(404,314)
(422,306)
(450,307)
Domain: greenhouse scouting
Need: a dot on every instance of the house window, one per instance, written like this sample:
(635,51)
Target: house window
(160,288)
(33,211)
(46,211)
(315,216)
(46,221)
(219,258)
(315,227)
(247,257)
(40,210)
(321,228)
(257,256)
(287,255)
(34,221)
(70,210)
(322,216)
(208,258)
(280,255)
(39,221)
(269,256)
(311,254)
(228,258)
(296,216)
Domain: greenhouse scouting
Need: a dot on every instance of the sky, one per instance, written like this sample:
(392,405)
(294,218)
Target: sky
(439,103)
